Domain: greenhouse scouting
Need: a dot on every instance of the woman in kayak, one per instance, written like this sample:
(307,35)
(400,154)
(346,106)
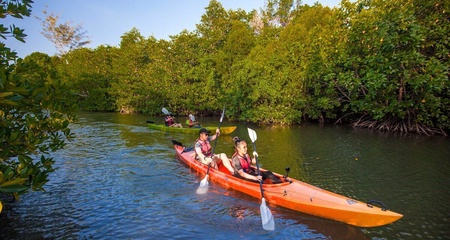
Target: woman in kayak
(203,151)
(242,164)
(169,121)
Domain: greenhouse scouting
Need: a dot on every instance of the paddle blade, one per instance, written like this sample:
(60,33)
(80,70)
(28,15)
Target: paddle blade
(165,111)
(175,142)
(203,188)
(252,134)
(268,222)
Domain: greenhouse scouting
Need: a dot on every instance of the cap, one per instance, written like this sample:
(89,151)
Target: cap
(204,130)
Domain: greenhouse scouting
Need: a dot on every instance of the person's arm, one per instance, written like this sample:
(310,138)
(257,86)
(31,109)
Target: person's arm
(213,137)
(249,176)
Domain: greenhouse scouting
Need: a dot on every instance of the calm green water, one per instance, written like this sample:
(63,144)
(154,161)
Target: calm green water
(121,180)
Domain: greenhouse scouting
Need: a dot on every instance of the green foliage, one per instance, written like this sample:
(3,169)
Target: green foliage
(182,66)
(35,112)
(133,84)
(382,70)
(384,62)
(88,74)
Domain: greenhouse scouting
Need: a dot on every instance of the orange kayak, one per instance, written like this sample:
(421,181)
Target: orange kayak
(297,195)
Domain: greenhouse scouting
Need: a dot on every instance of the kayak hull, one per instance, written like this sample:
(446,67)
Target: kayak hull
(193,130)
(297,195)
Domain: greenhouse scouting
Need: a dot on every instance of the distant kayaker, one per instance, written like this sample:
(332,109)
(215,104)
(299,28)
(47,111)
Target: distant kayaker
(242,164)
(191,122)
(170,122)
(204,154)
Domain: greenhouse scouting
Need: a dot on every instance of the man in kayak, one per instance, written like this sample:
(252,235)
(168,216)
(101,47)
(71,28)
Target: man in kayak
(242,164)
(203,151)
(169,121)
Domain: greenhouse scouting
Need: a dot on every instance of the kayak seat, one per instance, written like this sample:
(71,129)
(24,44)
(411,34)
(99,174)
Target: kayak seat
(223,169)
(269,181)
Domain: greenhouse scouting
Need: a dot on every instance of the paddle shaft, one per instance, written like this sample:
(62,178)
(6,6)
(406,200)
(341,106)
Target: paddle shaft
(215,141)
(175,119)
(259,173)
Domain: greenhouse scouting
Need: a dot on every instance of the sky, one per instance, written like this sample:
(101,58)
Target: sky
(107,20)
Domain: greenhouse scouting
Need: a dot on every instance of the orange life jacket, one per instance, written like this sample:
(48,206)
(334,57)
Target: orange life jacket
(245,162)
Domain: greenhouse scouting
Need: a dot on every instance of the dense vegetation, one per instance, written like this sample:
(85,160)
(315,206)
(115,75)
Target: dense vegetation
(373,63)
(35,112)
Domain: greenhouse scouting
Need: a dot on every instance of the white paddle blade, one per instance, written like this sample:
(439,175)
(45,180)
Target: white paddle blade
(165,111)
(203,188)
(268,222)
(252,134)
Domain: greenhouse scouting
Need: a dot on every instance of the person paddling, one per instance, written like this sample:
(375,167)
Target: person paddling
(242,164)
(204,154)
(170,122)
(191,122)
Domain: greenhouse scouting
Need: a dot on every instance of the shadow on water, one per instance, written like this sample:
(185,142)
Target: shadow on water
(119,179)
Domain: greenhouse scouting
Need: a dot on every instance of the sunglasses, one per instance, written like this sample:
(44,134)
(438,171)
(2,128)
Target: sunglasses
(207,134)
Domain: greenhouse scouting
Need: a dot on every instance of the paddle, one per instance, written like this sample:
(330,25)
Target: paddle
(192,118)
(203,188)
(266,216)
(165,111)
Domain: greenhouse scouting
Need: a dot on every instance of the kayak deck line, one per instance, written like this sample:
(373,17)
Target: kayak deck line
(296,195)
(311,198)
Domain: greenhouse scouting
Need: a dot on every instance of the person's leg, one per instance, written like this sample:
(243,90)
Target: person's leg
(225,161)
(271,176)
(214,165)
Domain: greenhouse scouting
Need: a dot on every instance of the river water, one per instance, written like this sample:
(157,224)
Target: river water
(120,180)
